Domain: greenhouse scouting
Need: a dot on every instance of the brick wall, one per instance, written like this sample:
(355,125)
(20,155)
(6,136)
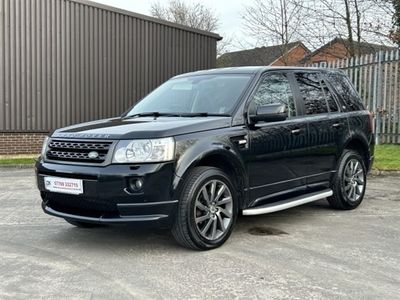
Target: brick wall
(333,52)
(293,57)
(20,143)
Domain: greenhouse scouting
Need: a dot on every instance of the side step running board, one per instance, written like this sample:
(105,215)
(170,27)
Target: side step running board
(284,204)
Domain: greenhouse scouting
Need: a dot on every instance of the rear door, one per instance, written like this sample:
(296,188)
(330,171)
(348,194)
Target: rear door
(323,127)
(338,120)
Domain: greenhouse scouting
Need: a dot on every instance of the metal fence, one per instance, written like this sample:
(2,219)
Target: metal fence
(377,80)
(69,61)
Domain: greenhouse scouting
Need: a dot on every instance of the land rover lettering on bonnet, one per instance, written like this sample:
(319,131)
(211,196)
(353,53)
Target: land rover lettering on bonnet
(207,146)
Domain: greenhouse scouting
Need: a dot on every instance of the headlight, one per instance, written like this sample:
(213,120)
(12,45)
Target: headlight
(44,147)
(138,151)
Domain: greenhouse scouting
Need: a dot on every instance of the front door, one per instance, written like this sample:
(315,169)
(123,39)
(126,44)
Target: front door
(277,149)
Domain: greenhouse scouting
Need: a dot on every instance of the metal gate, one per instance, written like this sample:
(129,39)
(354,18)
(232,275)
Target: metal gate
(376,78)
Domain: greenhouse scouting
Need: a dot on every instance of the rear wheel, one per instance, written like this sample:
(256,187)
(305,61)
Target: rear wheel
(82,224)
(207,209)
(350,181)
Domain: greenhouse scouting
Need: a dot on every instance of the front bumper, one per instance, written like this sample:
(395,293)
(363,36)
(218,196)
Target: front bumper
(107,197)
(161,218)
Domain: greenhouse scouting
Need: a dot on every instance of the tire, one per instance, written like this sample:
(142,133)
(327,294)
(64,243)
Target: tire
(350,181)
(204,221)
(82,224)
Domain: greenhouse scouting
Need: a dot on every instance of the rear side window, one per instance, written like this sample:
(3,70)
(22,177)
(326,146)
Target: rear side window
(346,91)
(330,98)
(312,93)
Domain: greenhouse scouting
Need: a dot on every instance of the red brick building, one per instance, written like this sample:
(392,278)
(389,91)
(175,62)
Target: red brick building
(340,48)
(280,55)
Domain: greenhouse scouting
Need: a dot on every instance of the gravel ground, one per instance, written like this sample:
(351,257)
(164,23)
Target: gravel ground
(308,252)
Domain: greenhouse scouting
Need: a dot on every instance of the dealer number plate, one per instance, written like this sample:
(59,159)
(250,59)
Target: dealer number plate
(63,185)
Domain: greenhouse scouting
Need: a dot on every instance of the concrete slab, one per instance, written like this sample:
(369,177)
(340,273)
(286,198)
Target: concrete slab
(308,252)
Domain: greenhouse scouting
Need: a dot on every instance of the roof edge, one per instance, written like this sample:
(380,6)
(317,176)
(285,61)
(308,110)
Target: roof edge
(343,41)
(252,70)
(147,18)
(295,45)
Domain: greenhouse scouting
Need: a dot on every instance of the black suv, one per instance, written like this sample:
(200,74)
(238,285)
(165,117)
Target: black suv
(206,146)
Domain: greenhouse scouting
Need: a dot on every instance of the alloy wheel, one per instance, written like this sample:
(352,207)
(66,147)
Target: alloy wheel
(354,180)
(213,209)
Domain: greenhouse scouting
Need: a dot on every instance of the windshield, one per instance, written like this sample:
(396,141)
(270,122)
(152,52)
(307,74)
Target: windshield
(211,94)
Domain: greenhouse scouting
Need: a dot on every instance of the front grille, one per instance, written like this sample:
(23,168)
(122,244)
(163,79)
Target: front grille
(78,151)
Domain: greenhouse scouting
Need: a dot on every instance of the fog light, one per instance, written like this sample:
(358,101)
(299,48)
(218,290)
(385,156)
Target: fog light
(135,184)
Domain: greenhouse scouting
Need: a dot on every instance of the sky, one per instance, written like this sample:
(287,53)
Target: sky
(228,12)
(231,23)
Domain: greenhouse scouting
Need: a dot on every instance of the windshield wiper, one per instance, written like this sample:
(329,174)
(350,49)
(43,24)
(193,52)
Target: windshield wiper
(154,114)
(157,114)
(204,114)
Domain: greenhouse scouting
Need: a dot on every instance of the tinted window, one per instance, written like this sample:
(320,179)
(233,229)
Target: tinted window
(333,107)
(274,88)
(348,94)
(216,94)
(312,93)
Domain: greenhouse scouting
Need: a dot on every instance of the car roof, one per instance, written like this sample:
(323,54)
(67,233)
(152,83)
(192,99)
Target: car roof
(249,70)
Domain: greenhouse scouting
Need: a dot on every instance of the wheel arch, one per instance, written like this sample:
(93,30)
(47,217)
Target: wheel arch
(361,146)
(224,159)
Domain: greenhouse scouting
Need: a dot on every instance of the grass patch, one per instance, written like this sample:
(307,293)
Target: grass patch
(8,160)
(387,157)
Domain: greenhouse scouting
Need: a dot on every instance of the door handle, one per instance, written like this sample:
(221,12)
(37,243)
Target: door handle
(240,140)
(337,125)
(296,131)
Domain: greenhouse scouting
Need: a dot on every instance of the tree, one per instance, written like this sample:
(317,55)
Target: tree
(395,31)
(353,20)
(194,15)
(224,45)
(344,17)
(315,22)
(275,22)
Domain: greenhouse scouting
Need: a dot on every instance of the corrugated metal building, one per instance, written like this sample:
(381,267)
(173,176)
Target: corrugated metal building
(69,61)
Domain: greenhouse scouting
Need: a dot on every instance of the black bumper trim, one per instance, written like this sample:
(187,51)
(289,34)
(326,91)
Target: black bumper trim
(141,218)
(146,204)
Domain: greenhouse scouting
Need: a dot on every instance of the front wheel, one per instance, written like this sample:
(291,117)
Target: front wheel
(349,182)
(207,209)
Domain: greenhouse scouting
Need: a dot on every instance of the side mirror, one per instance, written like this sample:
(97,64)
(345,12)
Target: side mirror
(269,113)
